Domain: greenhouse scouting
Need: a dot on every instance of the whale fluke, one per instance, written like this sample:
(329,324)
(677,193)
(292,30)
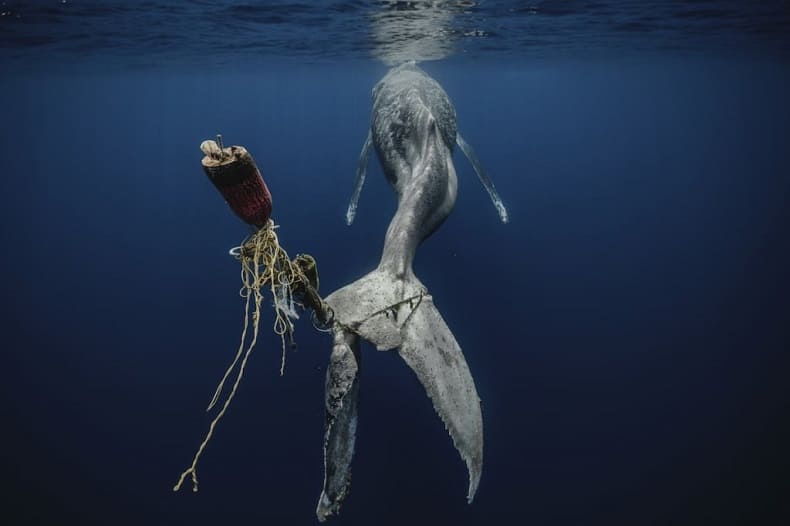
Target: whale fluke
(432,352)
(342,387)
(396,313)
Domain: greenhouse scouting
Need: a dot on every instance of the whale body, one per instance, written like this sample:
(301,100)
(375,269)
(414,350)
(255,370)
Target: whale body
(414,131)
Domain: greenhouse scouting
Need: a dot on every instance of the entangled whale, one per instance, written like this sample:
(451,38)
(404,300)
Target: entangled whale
(413,129)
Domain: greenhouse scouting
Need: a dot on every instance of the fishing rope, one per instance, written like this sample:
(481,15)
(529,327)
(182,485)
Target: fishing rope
(263,262)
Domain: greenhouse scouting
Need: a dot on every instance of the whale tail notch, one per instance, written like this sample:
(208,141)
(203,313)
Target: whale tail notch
(396,314)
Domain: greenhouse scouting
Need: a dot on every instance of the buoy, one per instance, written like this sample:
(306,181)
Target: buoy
(234,173)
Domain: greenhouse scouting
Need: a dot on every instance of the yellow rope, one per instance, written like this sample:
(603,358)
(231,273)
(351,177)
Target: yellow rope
(263,262)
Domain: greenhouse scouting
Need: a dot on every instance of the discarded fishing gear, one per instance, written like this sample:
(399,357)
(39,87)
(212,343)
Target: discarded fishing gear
(265,264)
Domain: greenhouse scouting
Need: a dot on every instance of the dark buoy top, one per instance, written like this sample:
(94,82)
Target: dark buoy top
(234,173)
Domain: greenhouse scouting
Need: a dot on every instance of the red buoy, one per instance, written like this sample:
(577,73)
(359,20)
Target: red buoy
(234,173)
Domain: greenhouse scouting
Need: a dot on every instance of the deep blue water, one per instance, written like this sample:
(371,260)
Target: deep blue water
(627,330)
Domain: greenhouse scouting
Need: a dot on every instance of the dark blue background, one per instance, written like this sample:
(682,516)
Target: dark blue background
(626,331)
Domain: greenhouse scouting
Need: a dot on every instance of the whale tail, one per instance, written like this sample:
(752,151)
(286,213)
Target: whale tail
(395,313)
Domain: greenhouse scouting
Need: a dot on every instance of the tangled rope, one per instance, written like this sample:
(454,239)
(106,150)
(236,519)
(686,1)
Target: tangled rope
(263,263)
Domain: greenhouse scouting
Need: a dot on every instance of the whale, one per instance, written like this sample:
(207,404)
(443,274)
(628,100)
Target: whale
(413,130)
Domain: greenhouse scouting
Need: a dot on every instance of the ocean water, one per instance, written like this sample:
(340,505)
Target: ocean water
(627,330)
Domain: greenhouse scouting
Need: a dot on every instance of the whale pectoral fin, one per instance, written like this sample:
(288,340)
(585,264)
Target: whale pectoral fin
(481,174)
(431,351)
(342,388)
(359,182)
